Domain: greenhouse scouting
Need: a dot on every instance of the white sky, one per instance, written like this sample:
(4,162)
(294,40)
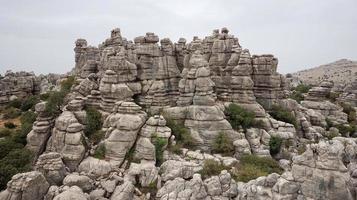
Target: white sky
(39,35)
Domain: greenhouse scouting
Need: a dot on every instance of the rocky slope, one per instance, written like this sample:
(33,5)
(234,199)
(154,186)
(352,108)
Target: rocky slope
(152,119)
(342,72)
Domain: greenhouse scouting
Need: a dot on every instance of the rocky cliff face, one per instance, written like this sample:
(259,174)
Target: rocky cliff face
(142,87)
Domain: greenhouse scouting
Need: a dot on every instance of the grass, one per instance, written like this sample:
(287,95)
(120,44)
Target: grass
(100,152)
(222,144)
(282,114)
(251,167)
(211,168)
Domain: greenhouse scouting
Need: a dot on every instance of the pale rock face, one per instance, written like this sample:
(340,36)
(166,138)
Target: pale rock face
(154,128)
(146,173)
(83,182)
(95,167)
(321,172)
(172,169)
(258,140)
(41,130)
(52,167)
(73,192)
(124,191)
(67,139)
(122,127)
(26,186)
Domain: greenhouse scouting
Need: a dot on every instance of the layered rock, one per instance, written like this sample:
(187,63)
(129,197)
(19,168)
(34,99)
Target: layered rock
(67,136)
(154,128)
(41,130)
(198,109)
(52,167)
(26,186)
(122,127)
(86,58)
(268,84)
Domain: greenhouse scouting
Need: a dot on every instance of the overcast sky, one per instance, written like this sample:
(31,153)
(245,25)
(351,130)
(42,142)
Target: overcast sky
(39,35)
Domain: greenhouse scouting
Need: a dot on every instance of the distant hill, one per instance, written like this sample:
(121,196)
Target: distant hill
(341,72)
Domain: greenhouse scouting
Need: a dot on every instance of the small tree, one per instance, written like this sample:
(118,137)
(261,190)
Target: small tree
(275,144)
(223,144)
(240,117)
(93,121)
(159,144)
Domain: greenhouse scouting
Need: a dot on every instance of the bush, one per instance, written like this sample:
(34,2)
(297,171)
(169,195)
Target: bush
(45,96)
(176,149)
(54,103)
(298,92)
(29,103)
(329,123)
(181,133)
(14,104)
(11,113)
(223,144)
(251,167)
(275,145)
(282,114)
(20,135)
(7,145)
(211,168)
(159,144)
(345,130)
(238,116)
(4,132)
(97,136)
(67,84)
(350,111)
(332,96)
(28,117)
(9,125)
(93,121)
(100,152)
(16,161)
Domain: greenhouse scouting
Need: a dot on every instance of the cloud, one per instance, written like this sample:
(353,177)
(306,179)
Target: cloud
(39,35)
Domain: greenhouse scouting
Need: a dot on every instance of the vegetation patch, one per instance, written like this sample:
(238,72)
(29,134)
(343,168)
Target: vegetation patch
(222,144)
(299,91)
(93,123)
(282,114)
(159,144)
(100,152)
(275,143)
(240,117)
(251,167)
(9,125)
(211,168)
(181,133)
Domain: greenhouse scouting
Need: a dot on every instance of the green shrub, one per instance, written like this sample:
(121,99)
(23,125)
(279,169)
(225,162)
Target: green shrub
(54,103)
(14,104)
(100,152)
(28,117)
(298,92)
(176,149)
(282,114)
(20,135)
(211,168)
(93,121)
(223,144)
(9,125)
(275,144)
(11,113)
(16,161)
(4,132)
(159,144)
(56,98)
(332,96)
(329,123)
(67,84)
(251,167)
(45,96)
(350,111)
(97,136)
(302,88)
(346,130)
(181,133)
(29,103)
(7,145)
(240,117)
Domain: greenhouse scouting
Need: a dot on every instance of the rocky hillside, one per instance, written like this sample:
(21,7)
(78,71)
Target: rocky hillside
(150,119)
(341,72)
